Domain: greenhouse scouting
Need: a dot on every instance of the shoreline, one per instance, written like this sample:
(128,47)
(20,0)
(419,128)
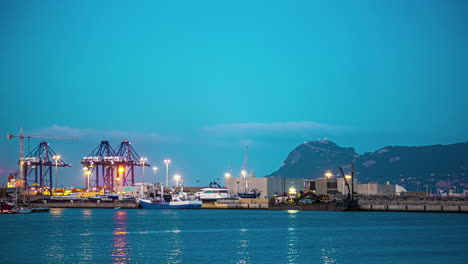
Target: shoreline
(374,207)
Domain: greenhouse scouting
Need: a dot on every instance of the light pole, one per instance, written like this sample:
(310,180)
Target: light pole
(143,160)
(177,178)
(167,171)
(56,158)
(155,169)
(87,172)
(227,175)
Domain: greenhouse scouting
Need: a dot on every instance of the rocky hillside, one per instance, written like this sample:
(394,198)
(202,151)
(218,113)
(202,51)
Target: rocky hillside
(439,166)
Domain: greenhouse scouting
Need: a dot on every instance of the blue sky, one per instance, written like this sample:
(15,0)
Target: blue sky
(197,81)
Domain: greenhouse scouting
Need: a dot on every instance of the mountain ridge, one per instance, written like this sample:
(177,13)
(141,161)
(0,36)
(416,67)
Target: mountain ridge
(441,167)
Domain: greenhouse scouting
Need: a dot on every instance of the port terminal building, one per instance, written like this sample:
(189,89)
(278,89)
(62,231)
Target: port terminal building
(333,186)
(270,186)
(267,186)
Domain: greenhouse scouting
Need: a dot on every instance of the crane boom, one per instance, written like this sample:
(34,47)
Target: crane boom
(21,137)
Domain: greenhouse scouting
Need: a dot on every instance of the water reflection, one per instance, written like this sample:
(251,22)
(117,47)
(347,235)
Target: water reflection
(87,213)
(86,238)
(56,212)
(120,252)
(243,251)
(329,253)
(292,255)
(176,247)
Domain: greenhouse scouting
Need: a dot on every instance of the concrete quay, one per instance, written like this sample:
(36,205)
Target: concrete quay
(109,205)
(415,208)
(238,204)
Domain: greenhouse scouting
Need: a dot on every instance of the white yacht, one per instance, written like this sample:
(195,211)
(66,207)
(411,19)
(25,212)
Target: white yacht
(212,193)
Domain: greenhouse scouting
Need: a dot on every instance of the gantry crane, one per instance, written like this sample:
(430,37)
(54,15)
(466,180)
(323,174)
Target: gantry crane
(41,160)
(107,168)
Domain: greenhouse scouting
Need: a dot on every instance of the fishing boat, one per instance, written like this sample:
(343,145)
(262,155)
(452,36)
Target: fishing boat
(174,200)
(175,204)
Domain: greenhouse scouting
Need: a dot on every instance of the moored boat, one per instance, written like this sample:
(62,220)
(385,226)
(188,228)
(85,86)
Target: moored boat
(22,210)
(175,204)
(250,194)
(40,210)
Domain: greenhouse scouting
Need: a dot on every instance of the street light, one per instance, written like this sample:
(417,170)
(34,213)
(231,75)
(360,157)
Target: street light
(244,173)
(167,171)
(121,171)
(155,169)
(328,175)
(292,190)
(87,173)
(177,178)
(56,158)
(227,175)
(143,160)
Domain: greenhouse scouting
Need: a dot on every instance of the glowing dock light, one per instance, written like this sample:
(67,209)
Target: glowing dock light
(177,178)
(292,190)
(328,175)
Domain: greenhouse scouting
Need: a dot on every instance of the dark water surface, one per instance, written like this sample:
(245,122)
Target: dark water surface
(232,236)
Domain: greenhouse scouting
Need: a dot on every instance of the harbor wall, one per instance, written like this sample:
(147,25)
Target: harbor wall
(122,205)
(415,208)
(244,203)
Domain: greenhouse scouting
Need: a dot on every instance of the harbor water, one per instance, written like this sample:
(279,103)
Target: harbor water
(232,236)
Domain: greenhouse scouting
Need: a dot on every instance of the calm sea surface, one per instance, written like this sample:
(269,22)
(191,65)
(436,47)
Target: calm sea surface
(232,236)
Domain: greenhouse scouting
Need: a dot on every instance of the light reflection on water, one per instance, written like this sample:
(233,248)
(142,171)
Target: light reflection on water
(57,212)
(120,252)
(292,255)
(176,248)
(87,213)
(126,236)
(86,239)
(243,250)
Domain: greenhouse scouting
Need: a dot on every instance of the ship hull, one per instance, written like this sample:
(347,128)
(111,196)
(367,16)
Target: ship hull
(146,204)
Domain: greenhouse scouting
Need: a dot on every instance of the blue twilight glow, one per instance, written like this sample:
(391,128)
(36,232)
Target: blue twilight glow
(197,81)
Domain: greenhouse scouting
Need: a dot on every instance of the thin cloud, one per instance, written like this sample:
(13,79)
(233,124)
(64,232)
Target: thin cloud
(87,133)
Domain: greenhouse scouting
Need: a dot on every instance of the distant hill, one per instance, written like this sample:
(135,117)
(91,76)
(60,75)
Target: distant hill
(439,166)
